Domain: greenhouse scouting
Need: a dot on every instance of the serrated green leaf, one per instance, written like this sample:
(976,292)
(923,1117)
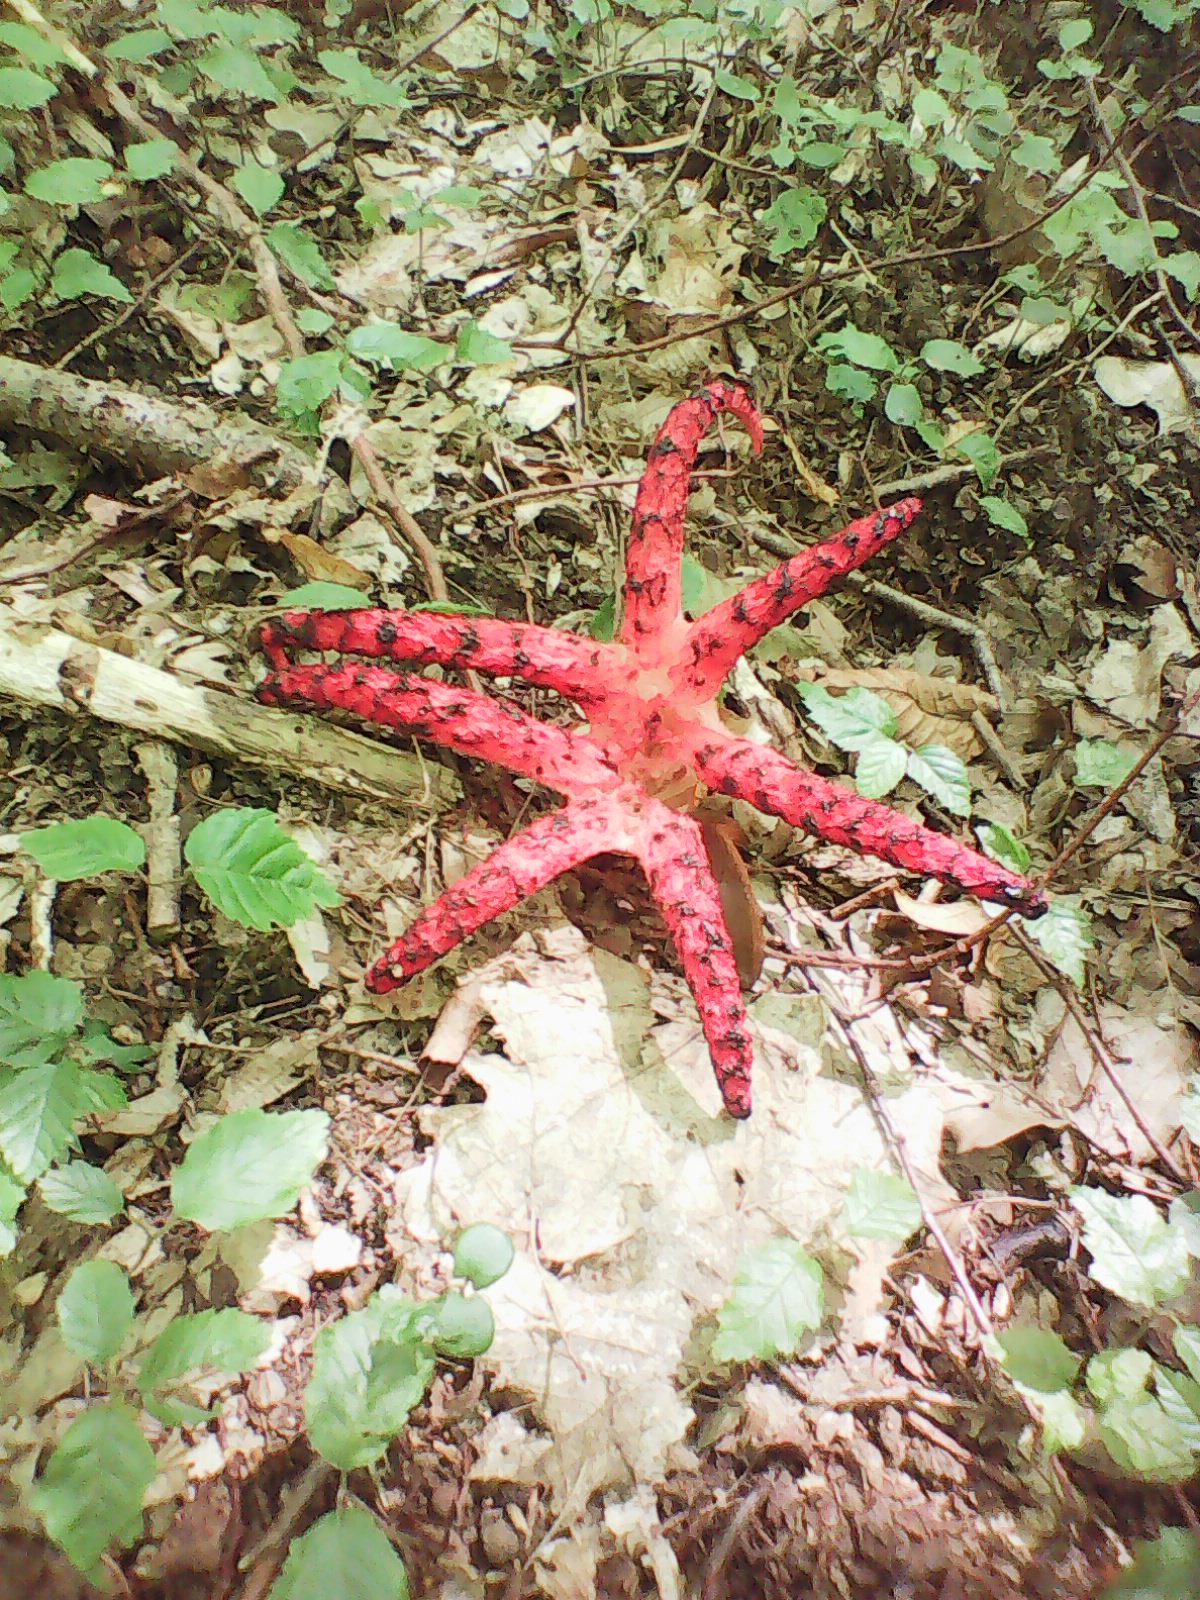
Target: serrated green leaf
(237,70)
(249,1166)
(301,254)
(226,1340)
(881,1205)
(38,1014)
(95,1311)
(1065,934)
(81,1192)
(73,181)
(260,187)
(1038,1359)
(850,720)
(306,382)
(880,766)
(152,159)
(38,1108)
(1134,1252)
(942,774)
(1100,765)
(324,597)
(67,851)
(483,1253)
(1037,154)
(369,1371)
(22,90)
(1002,513)
(357,83)
(346,1553)
(383,344)
(948,355)
(1144,1441)
(1004,846)
(253,871)
(778,1296)
(852,383)
(1118,1375)
(90,1495)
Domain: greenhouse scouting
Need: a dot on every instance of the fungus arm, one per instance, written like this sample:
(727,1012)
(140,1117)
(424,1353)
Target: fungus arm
(831,811)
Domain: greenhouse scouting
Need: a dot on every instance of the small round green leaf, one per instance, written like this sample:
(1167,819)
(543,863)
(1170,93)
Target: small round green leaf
(465,1326)
(260,187)
(903,404)
(1100,765)
(74,181)
(345,1554)
(153,158)
(1038,1359)
(22,90)
(881,1205)
(948,355)
(483,1253)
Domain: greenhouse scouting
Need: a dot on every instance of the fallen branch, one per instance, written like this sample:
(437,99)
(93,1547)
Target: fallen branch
(43,666)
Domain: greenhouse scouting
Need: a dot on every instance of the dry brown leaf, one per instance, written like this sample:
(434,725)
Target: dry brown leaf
(319,564)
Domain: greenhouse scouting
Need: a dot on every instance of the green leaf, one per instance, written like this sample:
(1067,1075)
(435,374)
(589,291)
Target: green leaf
(821,153)
(22,90)
(238,71)
(852,383)
(1065,935)
(383,344)
(483,1253)
(253,871)
(1064,1420)
(1002,513)
(851,720)
(1038,1359)
(1180,1399)
(152,159)
(357,83)
(1118,1375)
(880,766)
(81,1192)
(97,1044)
(1184,267)
(861,349)
(248,1166)
(478,348)
(736,87)
(369,1371)
(324,597)
(74,181)
(31,44)
(1074,32)
(17,288)
(778,1296)
(1037,154)
(67,851)
(942,774)
(1184,1213)
(903,404)
(306,382)
(948,355)
(982,452)
(881,1205)
(38,1014)
(38,1108)
(345,1554)
(603,625)
(1004,846)
(464,1326)
(226,1340)
(95,1311)
(1134,1252)
(260,187)
(301,254)
(794,219)
(1165,1568)
(90,1495)
(1100,765)
(1144,1441)
(140,45)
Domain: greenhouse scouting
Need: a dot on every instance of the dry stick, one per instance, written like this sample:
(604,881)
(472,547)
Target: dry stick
(161,833)
(1101,1052)
(832,275)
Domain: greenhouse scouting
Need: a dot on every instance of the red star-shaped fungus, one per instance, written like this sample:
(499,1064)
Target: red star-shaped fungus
(654,741)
